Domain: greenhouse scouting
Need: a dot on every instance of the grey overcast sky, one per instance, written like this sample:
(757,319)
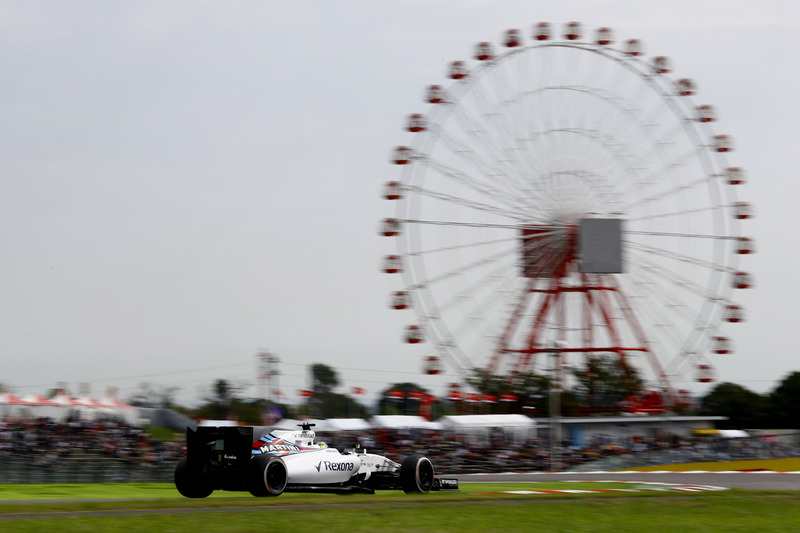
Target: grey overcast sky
(185,183)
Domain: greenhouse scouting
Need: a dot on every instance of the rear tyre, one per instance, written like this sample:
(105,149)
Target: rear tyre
(190,484)
(416,474)
(268,476)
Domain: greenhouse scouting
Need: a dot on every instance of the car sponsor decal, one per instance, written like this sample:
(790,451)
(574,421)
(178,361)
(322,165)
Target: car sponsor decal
(334,466)
(273,445)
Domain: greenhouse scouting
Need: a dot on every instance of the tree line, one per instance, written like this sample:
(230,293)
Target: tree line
(603,387)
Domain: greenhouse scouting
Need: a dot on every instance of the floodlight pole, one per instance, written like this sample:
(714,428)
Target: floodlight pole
(268,375)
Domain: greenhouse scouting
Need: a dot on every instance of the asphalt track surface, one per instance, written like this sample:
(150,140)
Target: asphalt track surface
(766,480)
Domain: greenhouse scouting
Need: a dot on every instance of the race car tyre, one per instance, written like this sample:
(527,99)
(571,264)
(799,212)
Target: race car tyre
(268,476)
(416,474)
(190,484)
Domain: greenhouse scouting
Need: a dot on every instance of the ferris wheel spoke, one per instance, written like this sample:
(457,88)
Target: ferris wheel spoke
(667,316)
(681,213)
(504,170)
(472,303)
(483,284)
(612,151)
(458,200)
(475,322)
(455,223)
(472,182)
(475,129)
(467,245)
(707,265)
(680,188)
(680,282)
(665,305)
(669,167)
(638,189)
(494,171)
(682,235)
(461,270)
(538,189)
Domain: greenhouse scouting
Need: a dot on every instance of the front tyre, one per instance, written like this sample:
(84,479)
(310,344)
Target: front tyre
(191,484)
(267,477)
(416,474)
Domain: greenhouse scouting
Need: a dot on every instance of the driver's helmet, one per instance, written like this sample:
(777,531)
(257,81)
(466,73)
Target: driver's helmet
(322,445)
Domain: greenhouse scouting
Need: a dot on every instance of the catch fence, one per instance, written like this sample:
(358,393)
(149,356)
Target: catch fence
(84,469)
(701,451)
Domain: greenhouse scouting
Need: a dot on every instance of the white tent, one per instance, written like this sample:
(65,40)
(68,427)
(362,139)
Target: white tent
(12,406)
(733,434)
(347,424)
(483,421)
(402,422)
(515,427)
(43,407)
(128,413)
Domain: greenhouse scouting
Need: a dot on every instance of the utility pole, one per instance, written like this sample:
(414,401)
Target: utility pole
(555,407)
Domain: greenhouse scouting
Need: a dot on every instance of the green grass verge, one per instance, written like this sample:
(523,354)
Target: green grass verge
(730,511)
(163,434)
(65,493)
(71,491)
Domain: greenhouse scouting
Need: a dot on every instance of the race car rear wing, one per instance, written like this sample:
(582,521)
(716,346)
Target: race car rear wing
(222,453)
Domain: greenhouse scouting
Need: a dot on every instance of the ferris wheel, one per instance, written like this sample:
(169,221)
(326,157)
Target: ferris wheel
(565,195)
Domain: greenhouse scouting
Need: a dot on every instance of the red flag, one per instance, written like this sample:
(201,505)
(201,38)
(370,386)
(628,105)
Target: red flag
(305,393)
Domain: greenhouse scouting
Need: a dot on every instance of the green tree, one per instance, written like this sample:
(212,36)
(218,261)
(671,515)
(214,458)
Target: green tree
(221,401)
(343,406)
(743,407)
(530,391)
(323,381)
(605,383)
(151,395)
(406,404)
(784,403)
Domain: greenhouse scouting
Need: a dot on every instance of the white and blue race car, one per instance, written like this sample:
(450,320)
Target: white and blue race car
(227,458)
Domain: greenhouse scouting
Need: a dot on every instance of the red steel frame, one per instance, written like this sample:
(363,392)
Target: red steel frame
(601,296)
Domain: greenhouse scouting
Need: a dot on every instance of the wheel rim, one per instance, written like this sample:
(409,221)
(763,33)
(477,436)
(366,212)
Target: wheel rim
(425,474)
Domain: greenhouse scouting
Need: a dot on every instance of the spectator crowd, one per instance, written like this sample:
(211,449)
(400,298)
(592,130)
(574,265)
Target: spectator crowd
(46,444)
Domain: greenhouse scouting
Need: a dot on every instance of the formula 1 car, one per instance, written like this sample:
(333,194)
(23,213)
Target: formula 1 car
(227,458)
